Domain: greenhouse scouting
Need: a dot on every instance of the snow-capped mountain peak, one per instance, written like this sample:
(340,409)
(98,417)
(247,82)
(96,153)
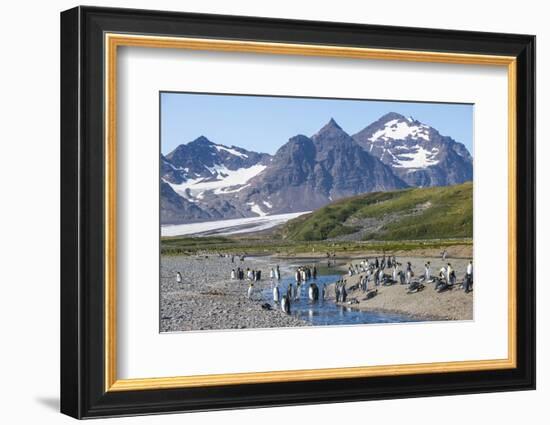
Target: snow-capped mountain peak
(201,170)
(205,143)
(201,156)
(401,128)
(417,152)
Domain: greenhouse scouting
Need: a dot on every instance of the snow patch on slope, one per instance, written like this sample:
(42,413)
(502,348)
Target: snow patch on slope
(231,151)
(255,208)
(224,178)
(399,130)
(421,158)
(230,189)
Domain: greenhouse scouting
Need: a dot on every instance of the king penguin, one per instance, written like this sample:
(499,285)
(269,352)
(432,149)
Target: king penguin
(276,294)
(285,304)
(313,292)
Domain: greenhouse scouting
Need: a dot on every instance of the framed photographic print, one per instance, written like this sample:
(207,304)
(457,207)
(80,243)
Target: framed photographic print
(261,212)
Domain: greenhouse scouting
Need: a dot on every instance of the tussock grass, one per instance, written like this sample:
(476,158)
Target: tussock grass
(409,214)
(193,245)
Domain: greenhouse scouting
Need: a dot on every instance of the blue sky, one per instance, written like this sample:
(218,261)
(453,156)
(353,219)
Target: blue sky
(263,124)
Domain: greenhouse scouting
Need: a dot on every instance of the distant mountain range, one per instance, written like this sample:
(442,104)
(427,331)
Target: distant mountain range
(202,180)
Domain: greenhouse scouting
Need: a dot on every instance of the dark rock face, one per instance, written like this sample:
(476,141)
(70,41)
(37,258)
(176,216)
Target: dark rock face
(169,172)
(307,173)
(416,152)
(352,169)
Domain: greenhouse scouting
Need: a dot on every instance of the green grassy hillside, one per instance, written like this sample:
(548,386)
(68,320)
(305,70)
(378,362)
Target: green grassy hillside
(410,214)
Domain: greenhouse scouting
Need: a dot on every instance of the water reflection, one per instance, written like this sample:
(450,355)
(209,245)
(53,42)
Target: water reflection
(325,312)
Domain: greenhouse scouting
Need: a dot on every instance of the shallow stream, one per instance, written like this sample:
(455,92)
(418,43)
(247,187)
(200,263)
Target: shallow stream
(325,312)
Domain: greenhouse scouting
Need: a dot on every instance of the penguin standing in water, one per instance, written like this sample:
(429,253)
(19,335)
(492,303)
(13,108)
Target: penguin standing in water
(178,278)
(290,291)
(313,292)
(285,304)
(276,294)
(250,291)
(277,273)
(344,293)
(322,292)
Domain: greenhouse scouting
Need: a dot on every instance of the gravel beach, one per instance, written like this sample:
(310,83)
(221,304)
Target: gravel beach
(453,304)
(208,299)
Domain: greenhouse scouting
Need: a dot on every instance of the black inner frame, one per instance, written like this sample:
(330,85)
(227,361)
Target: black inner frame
(82,208)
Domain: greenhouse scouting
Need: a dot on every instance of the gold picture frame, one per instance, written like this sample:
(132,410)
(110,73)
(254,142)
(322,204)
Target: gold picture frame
(114,41)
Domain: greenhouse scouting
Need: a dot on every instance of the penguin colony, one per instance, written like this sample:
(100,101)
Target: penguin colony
(374,274)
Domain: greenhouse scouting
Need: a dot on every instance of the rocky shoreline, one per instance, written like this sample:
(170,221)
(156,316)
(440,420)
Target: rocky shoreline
(427,304)
(208,299)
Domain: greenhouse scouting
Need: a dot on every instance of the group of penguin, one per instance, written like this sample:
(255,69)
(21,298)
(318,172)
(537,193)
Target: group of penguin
(444,281)
(293,293)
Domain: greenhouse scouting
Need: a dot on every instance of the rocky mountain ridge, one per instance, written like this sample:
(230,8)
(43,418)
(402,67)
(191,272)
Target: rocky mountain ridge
(203,181)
